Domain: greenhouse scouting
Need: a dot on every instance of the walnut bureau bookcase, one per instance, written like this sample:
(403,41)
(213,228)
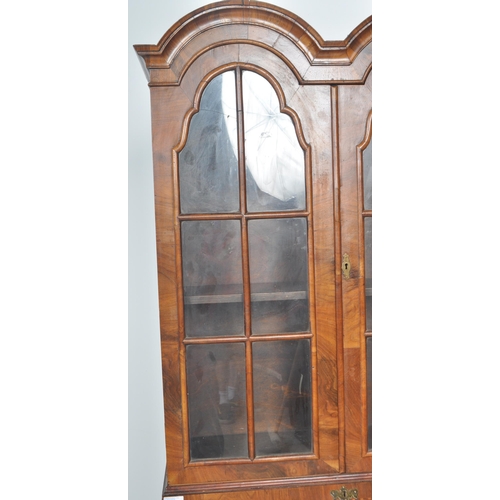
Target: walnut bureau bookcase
(262,171)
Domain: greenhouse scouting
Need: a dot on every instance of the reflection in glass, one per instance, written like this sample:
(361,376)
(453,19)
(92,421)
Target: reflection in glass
(217,401)
(278,275)
(369,389)
(275,162)
(212,278)
(368,272)
(208,166)
(367,176)
(282,397)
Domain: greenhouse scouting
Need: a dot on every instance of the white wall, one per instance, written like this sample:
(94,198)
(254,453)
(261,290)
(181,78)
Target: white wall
(148,21)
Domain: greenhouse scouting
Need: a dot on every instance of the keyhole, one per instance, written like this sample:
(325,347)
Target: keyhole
(346,266)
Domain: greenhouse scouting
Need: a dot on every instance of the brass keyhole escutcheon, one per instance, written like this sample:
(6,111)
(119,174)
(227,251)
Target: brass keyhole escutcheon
(346,266)
(344,494)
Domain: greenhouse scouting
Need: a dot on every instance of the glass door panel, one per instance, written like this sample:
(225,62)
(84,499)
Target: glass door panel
(217,401)
(212,275)
(208,164)
(278,275)
(369,389)
(367,223)
(282,397)
(275,162)
(368,272)
(367,176)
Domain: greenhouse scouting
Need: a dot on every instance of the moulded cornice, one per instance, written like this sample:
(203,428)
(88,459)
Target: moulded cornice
(185,40)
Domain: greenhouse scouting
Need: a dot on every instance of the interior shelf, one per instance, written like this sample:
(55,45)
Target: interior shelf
(233,293)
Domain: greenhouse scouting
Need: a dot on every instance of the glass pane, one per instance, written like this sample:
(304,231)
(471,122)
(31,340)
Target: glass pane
(212,277)
(369,388)
(368,272)
(282,397)
(208,165)
(278,275)
(275,162)
(217,401)
(367,176)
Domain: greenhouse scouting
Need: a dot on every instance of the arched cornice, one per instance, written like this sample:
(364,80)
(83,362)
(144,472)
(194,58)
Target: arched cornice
(258,23)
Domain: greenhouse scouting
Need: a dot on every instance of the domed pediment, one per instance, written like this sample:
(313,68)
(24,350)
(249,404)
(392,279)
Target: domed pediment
(311,58)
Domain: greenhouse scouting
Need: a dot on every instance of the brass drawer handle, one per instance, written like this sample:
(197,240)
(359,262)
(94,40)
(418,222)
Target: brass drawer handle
(344,494)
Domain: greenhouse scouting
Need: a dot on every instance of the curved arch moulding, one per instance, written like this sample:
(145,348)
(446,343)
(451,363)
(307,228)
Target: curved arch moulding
(221,33)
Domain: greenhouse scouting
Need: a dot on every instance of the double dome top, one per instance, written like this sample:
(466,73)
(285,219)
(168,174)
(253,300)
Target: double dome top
(273,28)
